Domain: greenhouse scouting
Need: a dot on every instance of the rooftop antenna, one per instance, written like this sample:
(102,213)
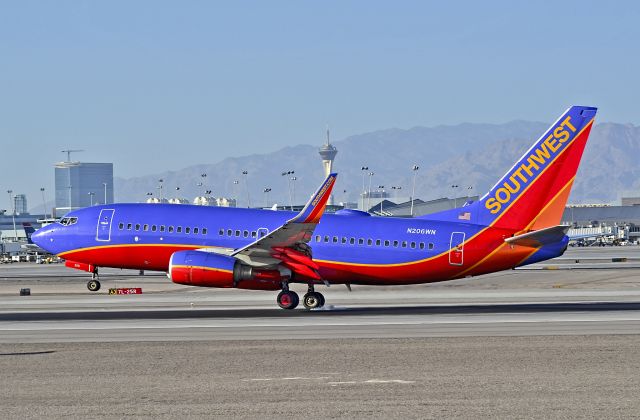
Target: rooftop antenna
(68,152)
(328,142)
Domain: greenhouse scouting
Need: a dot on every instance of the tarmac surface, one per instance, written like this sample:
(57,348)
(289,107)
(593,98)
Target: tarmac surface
(558,339)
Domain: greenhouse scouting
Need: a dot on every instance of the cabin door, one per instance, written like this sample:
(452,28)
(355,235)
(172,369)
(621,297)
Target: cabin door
(103,232)
(456,248)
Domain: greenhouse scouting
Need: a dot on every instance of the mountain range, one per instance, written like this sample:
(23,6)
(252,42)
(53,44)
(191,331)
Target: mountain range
(469,156)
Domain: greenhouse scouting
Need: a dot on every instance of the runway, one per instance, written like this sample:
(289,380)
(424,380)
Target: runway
(517,344)
(529,302)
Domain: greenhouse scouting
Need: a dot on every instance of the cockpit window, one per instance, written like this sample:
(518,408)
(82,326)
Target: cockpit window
(67,221)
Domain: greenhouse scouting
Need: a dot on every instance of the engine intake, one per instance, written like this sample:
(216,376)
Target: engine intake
(207,269)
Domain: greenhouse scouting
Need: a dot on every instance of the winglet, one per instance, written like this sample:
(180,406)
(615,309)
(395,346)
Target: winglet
(314,209)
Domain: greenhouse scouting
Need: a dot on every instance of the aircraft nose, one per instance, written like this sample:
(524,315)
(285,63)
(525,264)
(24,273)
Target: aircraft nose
(39,237)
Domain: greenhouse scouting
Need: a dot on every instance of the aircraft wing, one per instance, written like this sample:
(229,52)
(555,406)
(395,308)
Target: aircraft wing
(541,237)
(287,244)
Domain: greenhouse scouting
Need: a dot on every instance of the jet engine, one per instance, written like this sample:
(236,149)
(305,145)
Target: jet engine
(207,269)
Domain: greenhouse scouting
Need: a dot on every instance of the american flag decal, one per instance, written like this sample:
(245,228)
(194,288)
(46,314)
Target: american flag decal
(464,216)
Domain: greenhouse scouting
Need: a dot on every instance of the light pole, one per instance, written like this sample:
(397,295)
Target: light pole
(13,214)
(246,185)
(455,198)
(44,203)
(381,188)
(371,174)
(364,170)
(235,189)
(266,196)
(69,187)
(293,190)
(286,174)
(160,187)
(203,177)
(105,192)
(91,194)
(413,188)
(396,189)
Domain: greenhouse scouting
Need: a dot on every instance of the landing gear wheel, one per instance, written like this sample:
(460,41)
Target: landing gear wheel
(288,299)
(313,300)
(93,285)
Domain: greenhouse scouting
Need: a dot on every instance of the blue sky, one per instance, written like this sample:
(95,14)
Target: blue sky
(157,85)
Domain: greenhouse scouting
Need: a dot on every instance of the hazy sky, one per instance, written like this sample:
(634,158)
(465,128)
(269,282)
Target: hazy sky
(157,85)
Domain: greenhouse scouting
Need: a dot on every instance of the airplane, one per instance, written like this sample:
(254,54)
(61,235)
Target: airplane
(516,223)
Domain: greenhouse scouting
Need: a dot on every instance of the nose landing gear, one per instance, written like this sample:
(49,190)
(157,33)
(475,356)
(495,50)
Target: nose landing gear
(93,284)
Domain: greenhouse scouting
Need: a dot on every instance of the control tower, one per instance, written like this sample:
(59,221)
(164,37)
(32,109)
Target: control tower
(328,152)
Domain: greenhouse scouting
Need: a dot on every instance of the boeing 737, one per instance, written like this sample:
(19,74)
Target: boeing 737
(516,223)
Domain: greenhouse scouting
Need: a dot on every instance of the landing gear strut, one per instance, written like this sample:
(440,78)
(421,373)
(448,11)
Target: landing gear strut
(93,284)
(313,299)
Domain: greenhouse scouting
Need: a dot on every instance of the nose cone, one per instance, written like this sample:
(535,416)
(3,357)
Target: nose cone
(42,238)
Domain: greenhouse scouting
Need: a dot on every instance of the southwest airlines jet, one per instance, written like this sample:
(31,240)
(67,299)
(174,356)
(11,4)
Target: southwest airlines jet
(516,223)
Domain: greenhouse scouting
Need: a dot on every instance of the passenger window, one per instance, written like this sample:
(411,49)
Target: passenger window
(221,232)
(335,239)
(421,245)
(369,242)
(254,234)
(404,244)
(162,228)
(326,238)
(229,232)
(317,238)
(246,233)
(129,226)
(352,241)
(237,233)
(395,243)
(204,231)
(387,243)
(179,229)
(137,226)
(196,230)
(430,245)
(344,239)
(413,245)
(145,227)
(377,242)
(170,229)
(360,241)
(187,230)
(154,228)
(120,226)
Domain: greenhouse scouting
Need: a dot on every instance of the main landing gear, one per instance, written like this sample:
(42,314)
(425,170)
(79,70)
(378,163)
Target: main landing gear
(288,299)
(93,284)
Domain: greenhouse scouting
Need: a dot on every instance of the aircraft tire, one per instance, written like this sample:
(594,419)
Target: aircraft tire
(93,285)
(288,299)
(313,300)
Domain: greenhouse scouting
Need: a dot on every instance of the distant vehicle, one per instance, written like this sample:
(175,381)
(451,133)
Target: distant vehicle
(515,223)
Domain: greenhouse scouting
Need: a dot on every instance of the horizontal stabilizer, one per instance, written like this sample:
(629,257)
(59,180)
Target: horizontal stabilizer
(539,238)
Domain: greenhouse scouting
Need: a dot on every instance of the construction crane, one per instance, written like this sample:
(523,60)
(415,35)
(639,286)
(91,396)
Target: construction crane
(68,152)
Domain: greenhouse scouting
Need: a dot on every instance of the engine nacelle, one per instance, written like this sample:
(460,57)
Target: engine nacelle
(207,269)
